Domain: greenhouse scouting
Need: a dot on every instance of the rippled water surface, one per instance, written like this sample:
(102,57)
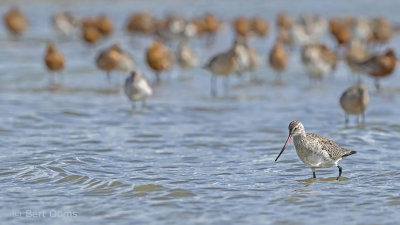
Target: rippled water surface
(82,155)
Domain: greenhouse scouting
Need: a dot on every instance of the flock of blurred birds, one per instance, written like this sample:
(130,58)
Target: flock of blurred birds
(358,43)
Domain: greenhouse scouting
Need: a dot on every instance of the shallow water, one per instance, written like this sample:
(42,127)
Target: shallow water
(80,154)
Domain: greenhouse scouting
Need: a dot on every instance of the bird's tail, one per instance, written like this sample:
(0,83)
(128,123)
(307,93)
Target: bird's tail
(349,153)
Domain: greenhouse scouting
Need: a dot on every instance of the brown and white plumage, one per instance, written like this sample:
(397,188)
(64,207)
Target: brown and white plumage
(355,53)
(125,63)
(187,59)
(315,151)
(379,65)
(65,22)
(108,60)
(318,60)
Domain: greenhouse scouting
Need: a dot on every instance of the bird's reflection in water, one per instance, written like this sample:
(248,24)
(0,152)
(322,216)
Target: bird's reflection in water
(309,181)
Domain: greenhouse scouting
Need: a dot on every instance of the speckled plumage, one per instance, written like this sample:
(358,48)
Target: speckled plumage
(334,151)
(315,151)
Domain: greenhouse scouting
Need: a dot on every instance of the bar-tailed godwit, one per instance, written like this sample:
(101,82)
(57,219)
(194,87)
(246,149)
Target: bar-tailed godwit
(224,64)
(54,61)
(379,65)
(259,26)
(340,31)
(315,151)
(108,60)
(90,32)
(278,58)
(105,25)
(159,58)
(242,26)
(137,87)
(16,21)
(141,23)
(355,53)
(355,100)
(65,22)
(187,59)
(318,60)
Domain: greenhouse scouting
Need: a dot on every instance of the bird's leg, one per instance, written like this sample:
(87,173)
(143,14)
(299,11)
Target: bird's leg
(158,79)
(346,118)
(377,84)
(226,85)
(143,103)
(213,86)
(313,173)
(363,117)
(278,78)
(340,172)
(133,106)
(61,77)
(108,73)
(51,80)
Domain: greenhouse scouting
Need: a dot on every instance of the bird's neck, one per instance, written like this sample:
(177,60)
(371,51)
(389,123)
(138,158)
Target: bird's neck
(300,137)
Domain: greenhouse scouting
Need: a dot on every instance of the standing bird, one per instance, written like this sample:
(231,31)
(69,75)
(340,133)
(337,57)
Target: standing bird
(340,31)
(259,26)
(211,26)
(187,59)
(315,151)
(278,58)
(159,58)
(379,66)
(125,63)
(223,64)
(65,22)
(355,53)
(108,60)
(355,100)
(382,30)
(90,31)
(137,88)
(283,20)
(318,60)
(141,23)
(242,26)
(54,61)
(16,21)
(104,25)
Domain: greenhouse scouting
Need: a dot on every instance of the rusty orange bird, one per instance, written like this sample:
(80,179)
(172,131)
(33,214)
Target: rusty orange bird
(54,61)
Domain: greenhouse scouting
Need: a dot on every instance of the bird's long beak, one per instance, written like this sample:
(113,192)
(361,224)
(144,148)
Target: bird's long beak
(283,149)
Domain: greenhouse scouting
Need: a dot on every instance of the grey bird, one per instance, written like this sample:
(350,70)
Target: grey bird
(355,100)
(137,88)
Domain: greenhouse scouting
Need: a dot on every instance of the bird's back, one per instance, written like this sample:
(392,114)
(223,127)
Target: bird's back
(335,151)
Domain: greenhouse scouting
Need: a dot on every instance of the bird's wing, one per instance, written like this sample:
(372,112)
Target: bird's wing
(334,151)
(370,65)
